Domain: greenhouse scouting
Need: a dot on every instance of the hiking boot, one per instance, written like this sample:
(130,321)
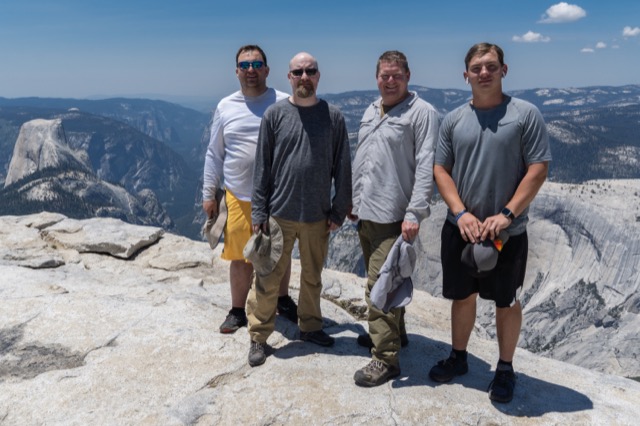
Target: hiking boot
(448,368)
(319,337)
(502,385)
(232,323)
(365,340)
(257,354)
(288,309)
(375,373)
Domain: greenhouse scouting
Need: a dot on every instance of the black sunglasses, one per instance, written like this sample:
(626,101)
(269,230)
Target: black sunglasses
(244,65)
(309,71)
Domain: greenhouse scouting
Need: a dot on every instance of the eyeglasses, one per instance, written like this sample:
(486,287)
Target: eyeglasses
(244,65)
(309,71)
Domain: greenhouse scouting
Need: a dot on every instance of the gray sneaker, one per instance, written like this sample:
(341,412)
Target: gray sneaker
(257,354)
(375,373)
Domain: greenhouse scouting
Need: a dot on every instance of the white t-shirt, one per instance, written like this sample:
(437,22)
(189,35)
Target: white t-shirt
(232,146)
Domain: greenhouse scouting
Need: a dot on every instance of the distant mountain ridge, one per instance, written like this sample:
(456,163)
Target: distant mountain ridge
(116,154)
(179,127)
(47,173)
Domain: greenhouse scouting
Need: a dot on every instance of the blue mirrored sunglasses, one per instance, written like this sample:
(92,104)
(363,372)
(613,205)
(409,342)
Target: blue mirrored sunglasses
(244,65)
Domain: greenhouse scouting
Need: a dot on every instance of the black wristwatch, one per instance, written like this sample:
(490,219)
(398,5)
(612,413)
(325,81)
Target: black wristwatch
(508,213)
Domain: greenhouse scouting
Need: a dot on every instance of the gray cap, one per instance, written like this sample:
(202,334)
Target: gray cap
(214,226)
(264,250)
(481,258)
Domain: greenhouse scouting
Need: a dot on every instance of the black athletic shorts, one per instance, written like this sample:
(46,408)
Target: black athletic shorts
(501,285)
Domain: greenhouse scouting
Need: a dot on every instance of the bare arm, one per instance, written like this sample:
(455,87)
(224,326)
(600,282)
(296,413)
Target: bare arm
(468,224)
(524,195)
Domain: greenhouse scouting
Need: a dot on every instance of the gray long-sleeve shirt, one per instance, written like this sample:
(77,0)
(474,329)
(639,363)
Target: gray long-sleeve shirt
(393,162)
(300,152)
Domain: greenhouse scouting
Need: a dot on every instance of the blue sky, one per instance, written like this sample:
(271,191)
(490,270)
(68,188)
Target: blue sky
(162,49)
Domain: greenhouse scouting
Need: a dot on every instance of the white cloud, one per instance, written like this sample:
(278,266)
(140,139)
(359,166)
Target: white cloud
(563,12)
(531,37)
(601,45)
(631,32)
(587,50)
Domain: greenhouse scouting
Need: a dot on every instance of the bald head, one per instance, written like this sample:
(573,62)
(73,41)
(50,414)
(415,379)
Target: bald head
(302,58)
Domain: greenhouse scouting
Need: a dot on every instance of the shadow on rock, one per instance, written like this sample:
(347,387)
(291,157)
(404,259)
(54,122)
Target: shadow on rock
(422,353)
(344,345)
(28,360)
(532,398)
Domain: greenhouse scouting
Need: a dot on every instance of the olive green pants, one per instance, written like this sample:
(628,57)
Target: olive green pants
(376,240)
(313,239)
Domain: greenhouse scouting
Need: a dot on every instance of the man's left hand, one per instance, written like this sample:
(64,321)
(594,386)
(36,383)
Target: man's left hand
(332,226)
(410,230)
(492,226)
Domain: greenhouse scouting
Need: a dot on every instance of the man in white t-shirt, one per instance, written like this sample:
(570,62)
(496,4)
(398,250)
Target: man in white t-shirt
(229,162)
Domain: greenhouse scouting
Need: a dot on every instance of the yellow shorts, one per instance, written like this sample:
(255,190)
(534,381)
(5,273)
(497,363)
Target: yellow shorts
(237,230)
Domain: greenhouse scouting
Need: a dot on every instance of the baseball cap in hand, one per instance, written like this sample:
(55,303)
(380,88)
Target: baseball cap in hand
(481,258)
(264,250)
(214,225)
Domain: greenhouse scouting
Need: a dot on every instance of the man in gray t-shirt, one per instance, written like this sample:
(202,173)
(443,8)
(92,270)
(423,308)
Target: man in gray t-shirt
(492,158)
(302,154)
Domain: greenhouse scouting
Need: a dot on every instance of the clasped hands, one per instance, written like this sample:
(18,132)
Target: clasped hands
(474,231)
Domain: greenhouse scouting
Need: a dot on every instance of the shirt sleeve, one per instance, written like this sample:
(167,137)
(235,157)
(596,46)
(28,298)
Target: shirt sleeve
(444,148)
(341,173)
(214,159)
(535,138)
(426,127)
(262,173)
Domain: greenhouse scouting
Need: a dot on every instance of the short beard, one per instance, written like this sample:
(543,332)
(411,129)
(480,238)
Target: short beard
(304,92)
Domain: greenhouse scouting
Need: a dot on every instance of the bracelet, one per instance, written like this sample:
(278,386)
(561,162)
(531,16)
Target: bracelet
(459,215)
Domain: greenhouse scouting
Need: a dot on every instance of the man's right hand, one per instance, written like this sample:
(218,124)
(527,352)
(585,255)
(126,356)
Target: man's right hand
(352,217)
(210,207)
(260,226)
(470,228)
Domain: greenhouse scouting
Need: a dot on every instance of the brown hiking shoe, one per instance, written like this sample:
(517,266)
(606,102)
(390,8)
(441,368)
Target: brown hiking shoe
(375,373)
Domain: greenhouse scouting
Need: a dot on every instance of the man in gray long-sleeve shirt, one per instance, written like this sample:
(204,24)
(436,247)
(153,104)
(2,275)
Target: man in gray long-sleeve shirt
(303,148)
(392,187)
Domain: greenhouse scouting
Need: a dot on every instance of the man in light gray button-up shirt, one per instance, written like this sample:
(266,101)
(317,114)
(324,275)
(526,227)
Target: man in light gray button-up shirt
(392,188)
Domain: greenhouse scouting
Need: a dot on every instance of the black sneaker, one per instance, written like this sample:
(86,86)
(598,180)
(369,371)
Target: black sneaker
(502,385)
(365,340)
(375,373)
(232,323)
(257,354)
(288,309)
(319,337)
(447,369)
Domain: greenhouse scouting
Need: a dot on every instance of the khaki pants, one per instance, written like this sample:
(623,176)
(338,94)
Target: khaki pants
(376,240)
(313,240)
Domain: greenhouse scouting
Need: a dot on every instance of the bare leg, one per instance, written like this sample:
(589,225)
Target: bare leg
(284,284)
(508,324)
(463,317)
(240,273)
